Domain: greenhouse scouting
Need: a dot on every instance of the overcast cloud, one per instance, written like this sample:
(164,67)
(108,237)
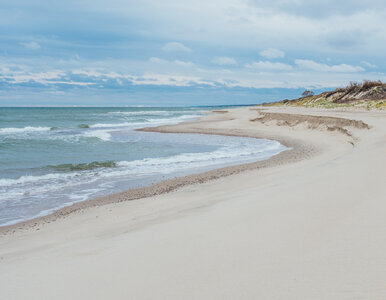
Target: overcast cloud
(77,48)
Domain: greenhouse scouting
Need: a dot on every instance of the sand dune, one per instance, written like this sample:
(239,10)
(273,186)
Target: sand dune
(307,224)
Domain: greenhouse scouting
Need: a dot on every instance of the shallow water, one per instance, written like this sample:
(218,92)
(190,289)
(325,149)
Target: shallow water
(54,157)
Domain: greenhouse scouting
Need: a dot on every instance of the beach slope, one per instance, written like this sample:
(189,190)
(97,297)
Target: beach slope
(307,224)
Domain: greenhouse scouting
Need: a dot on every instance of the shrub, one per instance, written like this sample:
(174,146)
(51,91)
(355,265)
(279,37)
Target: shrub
(353,86)
(367,84)
(307,93)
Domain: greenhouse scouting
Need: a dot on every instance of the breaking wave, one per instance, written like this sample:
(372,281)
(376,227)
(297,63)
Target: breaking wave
(13,130)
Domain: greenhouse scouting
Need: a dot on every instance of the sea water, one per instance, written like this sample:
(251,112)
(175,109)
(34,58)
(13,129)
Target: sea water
(54,157)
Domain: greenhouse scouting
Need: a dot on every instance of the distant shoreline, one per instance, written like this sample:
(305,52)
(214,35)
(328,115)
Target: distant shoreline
(84,106)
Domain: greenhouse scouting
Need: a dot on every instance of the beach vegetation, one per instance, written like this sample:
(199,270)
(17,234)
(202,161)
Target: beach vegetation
(307,93)
(367,95)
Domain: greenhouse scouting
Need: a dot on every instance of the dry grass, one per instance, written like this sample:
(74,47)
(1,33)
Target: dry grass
(367,94)
(357,86)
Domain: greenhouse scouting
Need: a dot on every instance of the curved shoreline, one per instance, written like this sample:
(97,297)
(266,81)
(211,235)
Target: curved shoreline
(306,224)
(298,151)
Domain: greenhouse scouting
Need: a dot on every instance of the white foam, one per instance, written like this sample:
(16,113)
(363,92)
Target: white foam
(150,112)
(103,135)
(228,154)
(146,122)
(31,179)
(13,130)
(174,120)
(59,189)
(107,125)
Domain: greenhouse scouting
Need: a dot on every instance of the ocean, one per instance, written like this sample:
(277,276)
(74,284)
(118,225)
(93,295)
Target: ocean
(53,157)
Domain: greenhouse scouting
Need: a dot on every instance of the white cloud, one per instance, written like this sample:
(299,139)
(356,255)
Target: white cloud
(367,64)
(224,60)
(95,73)
(40,77)
(176,47)
(47,78)
(183,63)
(282,24)
(165,79)
(31,45)
(239,22)
(267,65)
(272,53)
(160,72)
(240,27)
(315,66)
(179,63)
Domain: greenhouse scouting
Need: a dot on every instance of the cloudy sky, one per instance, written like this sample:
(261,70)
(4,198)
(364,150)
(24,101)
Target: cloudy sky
(179,52)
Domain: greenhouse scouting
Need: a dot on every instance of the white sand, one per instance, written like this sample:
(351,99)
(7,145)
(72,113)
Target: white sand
(312,229)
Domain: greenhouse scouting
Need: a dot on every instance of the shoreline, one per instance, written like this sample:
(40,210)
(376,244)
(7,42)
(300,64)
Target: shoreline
(297,151)
(309,229)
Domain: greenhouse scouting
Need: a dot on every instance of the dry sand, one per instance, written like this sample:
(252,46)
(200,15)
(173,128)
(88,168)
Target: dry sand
(307,224)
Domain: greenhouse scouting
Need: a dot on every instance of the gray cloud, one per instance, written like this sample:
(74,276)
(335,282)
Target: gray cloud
(149,41)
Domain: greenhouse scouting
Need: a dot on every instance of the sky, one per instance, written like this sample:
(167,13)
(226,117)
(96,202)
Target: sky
(179,52)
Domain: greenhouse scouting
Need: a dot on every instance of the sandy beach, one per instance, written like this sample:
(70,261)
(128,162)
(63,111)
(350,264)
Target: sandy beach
(308,223)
